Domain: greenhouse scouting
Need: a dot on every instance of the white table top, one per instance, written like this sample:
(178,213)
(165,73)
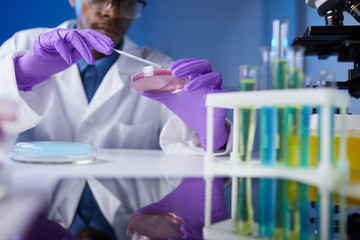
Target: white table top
(120,163)
(34,180)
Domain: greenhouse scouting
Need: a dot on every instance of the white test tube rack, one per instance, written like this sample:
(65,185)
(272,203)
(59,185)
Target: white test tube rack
(325,177)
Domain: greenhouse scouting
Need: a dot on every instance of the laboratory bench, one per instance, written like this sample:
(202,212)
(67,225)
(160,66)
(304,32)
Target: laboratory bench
(110,163)
(30,183)
(122,163)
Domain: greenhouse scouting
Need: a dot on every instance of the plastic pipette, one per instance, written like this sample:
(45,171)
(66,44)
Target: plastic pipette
(136,58)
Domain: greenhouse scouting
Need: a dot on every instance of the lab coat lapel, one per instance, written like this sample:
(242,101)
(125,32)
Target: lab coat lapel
(112,83)
(116,78)
(107,201)
(70,84)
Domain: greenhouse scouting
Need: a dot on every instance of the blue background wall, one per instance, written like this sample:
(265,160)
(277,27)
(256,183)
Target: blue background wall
(228,32)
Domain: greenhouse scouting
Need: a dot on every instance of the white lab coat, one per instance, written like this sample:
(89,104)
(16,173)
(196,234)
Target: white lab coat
(117,117)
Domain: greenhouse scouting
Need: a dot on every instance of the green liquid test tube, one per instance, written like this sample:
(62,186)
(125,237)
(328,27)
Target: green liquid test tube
(292,148)
(279,80)
(245,215)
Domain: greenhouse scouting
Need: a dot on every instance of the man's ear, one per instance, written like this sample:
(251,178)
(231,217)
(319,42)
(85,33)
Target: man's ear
(72,3)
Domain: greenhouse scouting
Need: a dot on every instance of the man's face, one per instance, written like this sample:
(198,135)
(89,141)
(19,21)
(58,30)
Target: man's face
(109,23)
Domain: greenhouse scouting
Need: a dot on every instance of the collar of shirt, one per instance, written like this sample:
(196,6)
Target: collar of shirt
(103,64)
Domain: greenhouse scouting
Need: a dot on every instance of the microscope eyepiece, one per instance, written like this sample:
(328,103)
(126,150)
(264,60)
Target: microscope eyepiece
(353,7)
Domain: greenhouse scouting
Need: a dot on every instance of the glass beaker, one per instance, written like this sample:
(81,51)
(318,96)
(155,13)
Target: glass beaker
(156,79)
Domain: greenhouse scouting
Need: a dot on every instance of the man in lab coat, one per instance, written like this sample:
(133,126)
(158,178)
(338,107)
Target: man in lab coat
(93,102)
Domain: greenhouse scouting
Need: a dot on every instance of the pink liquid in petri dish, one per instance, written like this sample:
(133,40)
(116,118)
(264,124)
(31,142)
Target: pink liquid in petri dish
(152,79)
(154,226)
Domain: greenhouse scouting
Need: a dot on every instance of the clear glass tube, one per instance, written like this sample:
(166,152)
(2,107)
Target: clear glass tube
(326,79)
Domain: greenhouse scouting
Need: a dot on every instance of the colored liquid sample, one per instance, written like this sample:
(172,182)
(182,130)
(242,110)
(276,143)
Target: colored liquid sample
(268,129)
(279,74)
(267,207)
(304,211)
(294,140)
(247,123)
(292,216)
(296,78)
(280,210)
(305,136)
(268,140)
(158,81)
(280,81)
(247,84)
(245,215)
(304,162)
(352,153)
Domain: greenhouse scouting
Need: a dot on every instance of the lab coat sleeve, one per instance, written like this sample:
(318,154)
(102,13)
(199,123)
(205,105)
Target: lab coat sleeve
(32,105)
(177,138)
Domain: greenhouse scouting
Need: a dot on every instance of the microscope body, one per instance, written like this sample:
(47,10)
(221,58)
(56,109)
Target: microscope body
(335,39)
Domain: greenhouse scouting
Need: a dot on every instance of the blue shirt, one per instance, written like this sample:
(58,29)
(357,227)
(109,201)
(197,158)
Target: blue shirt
(92,75)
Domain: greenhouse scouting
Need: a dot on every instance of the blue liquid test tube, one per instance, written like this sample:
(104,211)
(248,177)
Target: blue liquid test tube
(268,129)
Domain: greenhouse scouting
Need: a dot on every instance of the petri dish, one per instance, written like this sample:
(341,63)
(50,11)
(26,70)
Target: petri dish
(154,226)
(156,79)
(47,152)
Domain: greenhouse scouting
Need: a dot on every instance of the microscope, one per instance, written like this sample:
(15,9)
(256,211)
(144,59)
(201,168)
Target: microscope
(335,39)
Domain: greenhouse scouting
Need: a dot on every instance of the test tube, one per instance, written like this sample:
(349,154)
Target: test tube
(292,144)
(279,76)
(279,80)
(248,82)
(268,127)
(247,119)
(304,163)
(326,79)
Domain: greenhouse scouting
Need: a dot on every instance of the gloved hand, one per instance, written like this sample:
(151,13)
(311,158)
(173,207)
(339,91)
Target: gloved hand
(189,104)
(43,228)
(55,51)
(187,201)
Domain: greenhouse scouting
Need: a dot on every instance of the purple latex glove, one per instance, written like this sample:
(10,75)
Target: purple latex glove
(43,228)
(187,201)
(55,51)
(189,104)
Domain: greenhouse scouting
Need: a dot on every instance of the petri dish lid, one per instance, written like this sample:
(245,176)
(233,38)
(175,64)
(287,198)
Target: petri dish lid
(156,79)
(154,226)
(47,152)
